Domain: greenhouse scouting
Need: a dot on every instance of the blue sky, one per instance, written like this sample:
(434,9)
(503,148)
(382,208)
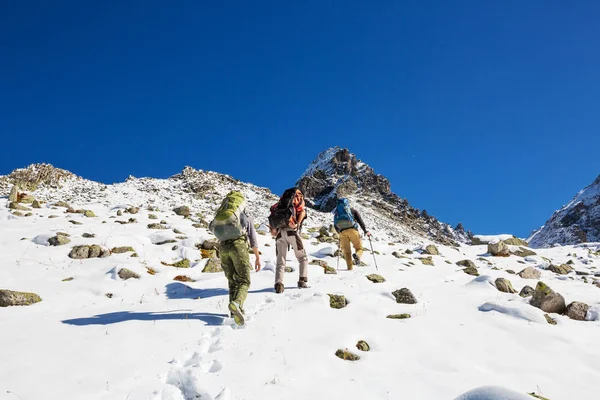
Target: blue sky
(481,112)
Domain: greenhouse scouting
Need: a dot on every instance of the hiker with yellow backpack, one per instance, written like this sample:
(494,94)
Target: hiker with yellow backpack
(234,229)
(346,221)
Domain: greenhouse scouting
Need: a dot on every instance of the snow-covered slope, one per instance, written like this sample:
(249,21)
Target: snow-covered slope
(576,222)
(338,173)
(97,336)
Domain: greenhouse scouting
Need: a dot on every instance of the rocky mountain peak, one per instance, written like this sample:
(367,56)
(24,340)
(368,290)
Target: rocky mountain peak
(576,222)
(35,176)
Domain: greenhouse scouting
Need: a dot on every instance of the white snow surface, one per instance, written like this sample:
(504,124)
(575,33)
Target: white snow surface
(493,238)
(160,339)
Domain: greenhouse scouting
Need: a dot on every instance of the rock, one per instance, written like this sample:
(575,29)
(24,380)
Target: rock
(134,255)
(346,355)
(320,263)
(9,298)
(523,252)
(526,291)
(376,278)
(18,214)
(133,210)
(89,235)
(550,320)
(62,204)
(89,214)
(537,396)
(426,260)
(337,301)
(324,232)
(185,263)
(58,240)
(329,270)
(80,252)
(577,310)
(177,232)
(52,216)
(75,222)
(289,270)
(504,285)
(109,295)
(213,265)
(14,194)
(563,269)
(547,300)
(183,278)
(36,204)
(125,274)
(166,241)
(466,263)
(363,346)
(152,216)
(515,241)
(431,250)
(69,279)
(123,249)
(398,316)
(498,249)
(16,206)
(156,226)
(163,222)
(530,273)
(404,296)
(184,211)
(119,213)
(25,198)
(208,253)
(174,247)
(582,273)
(408,251)
(510,271)
(98,251)
(210,245)
(471,271)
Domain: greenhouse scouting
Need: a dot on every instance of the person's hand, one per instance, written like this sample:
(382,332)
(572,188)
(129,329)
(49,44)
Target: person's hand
(257,264)
(293,225)
(368,234)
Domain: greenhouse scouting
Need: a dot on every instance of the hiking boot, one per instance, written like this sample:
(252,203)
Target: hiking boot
(356,260)
(236,313)
(279,287)
(302,283)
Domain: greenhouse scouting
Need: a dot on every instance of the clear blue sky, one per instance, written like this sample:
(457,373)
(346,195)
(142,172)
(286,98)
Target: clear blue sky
(485,112)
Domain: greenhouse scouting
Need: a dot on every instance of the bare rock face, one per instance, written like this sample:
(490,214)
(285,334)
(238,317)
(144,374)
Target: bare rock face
(36,176)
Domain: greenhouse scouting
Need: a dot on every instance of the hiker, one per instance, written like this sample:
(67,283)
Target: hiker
(285,222)
(346,221)
(234,229)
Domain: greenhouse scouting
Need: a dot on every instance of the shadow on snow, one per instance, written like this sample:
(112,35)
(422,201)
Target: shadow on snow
(123,316)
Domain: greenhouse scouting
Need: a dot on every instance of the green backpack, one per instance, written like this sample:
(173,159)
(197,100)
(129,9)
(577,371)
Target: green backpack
(227,224)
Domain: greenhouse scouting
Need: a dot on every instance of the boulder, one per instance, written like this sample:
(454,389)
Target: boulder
(504,285)
(498,249)
(213,265)
(58,240)
(404,296)
(376,278)
(133,210)
(125,274)
(431,250)
(563,269)
(426,260)
(80,252)
(122,249)
(337,301)
(14,194)
(530,273)
(119,213)
(526,291)
(577,310)
(13,205)
(10,298)
(466,263)
(547,300)
(184,211)
(471,271)
(515,241)
(36,204)
(25,198)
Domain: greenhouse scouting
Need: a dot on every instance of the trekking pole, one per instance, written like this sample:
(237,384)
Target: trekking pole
(373,252)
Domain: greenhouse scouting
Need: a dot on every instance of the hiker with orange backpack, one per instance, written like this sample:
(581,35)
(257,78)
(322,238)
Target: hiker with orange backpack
(346,221)
(285,222)
(235,229)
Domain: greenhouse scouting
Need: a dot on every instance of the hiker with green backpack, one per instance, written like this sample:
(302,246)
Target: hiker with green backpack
(346,221)
(234,229)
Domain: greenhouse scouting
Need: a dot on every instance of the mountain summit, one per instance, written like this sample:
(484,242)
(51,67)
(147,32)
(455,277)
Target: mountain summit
(338,173)
(576,222)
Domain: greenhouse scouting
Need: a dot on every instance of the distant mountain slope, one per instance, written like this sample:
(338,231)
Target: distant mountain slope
(576,222)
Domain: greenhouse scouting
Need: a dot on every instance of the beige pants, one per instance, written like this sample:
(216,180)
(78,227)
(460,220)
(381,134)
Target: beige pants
(284,237)
(348,236)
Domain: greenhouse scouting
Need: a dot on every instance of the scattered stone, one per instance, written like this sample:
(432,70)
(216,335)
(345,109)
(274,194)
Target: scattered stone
(178,232)
(510,271)
(530,273)
(404,296)
(167,241)
(498,249)
(337,301)
(25,198)
(14,194)
(122,249)
(376,278)
(537,396)
(58,240)
(471,271)
(515,241)
(426,260)
(212,244)
(13,205)
(181,237)
(398,316)
(184,211)
(526,291)
(18,214)
(89,235)
(563,269)
(208,253)
(36,204)
(504,285)
(550,320)
(408,251)
(69,279)
(152,216)
(75,222)
(119,213)
(125,274)
(288,269)
(133,210)
(582,273)
(52,216)
(577,310)
(156,226)
(448,262)
(9,298)
(398,255)
(61,204)
(363,346)
(466,263)
(89,214)
(183,278)
(346,355)
(163,222)
(151,270)
(174,247)
(109,295)
(93,251)
(213,265)
(431,250)
(547,300)
(98,251)
(523,252)
(320,263)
